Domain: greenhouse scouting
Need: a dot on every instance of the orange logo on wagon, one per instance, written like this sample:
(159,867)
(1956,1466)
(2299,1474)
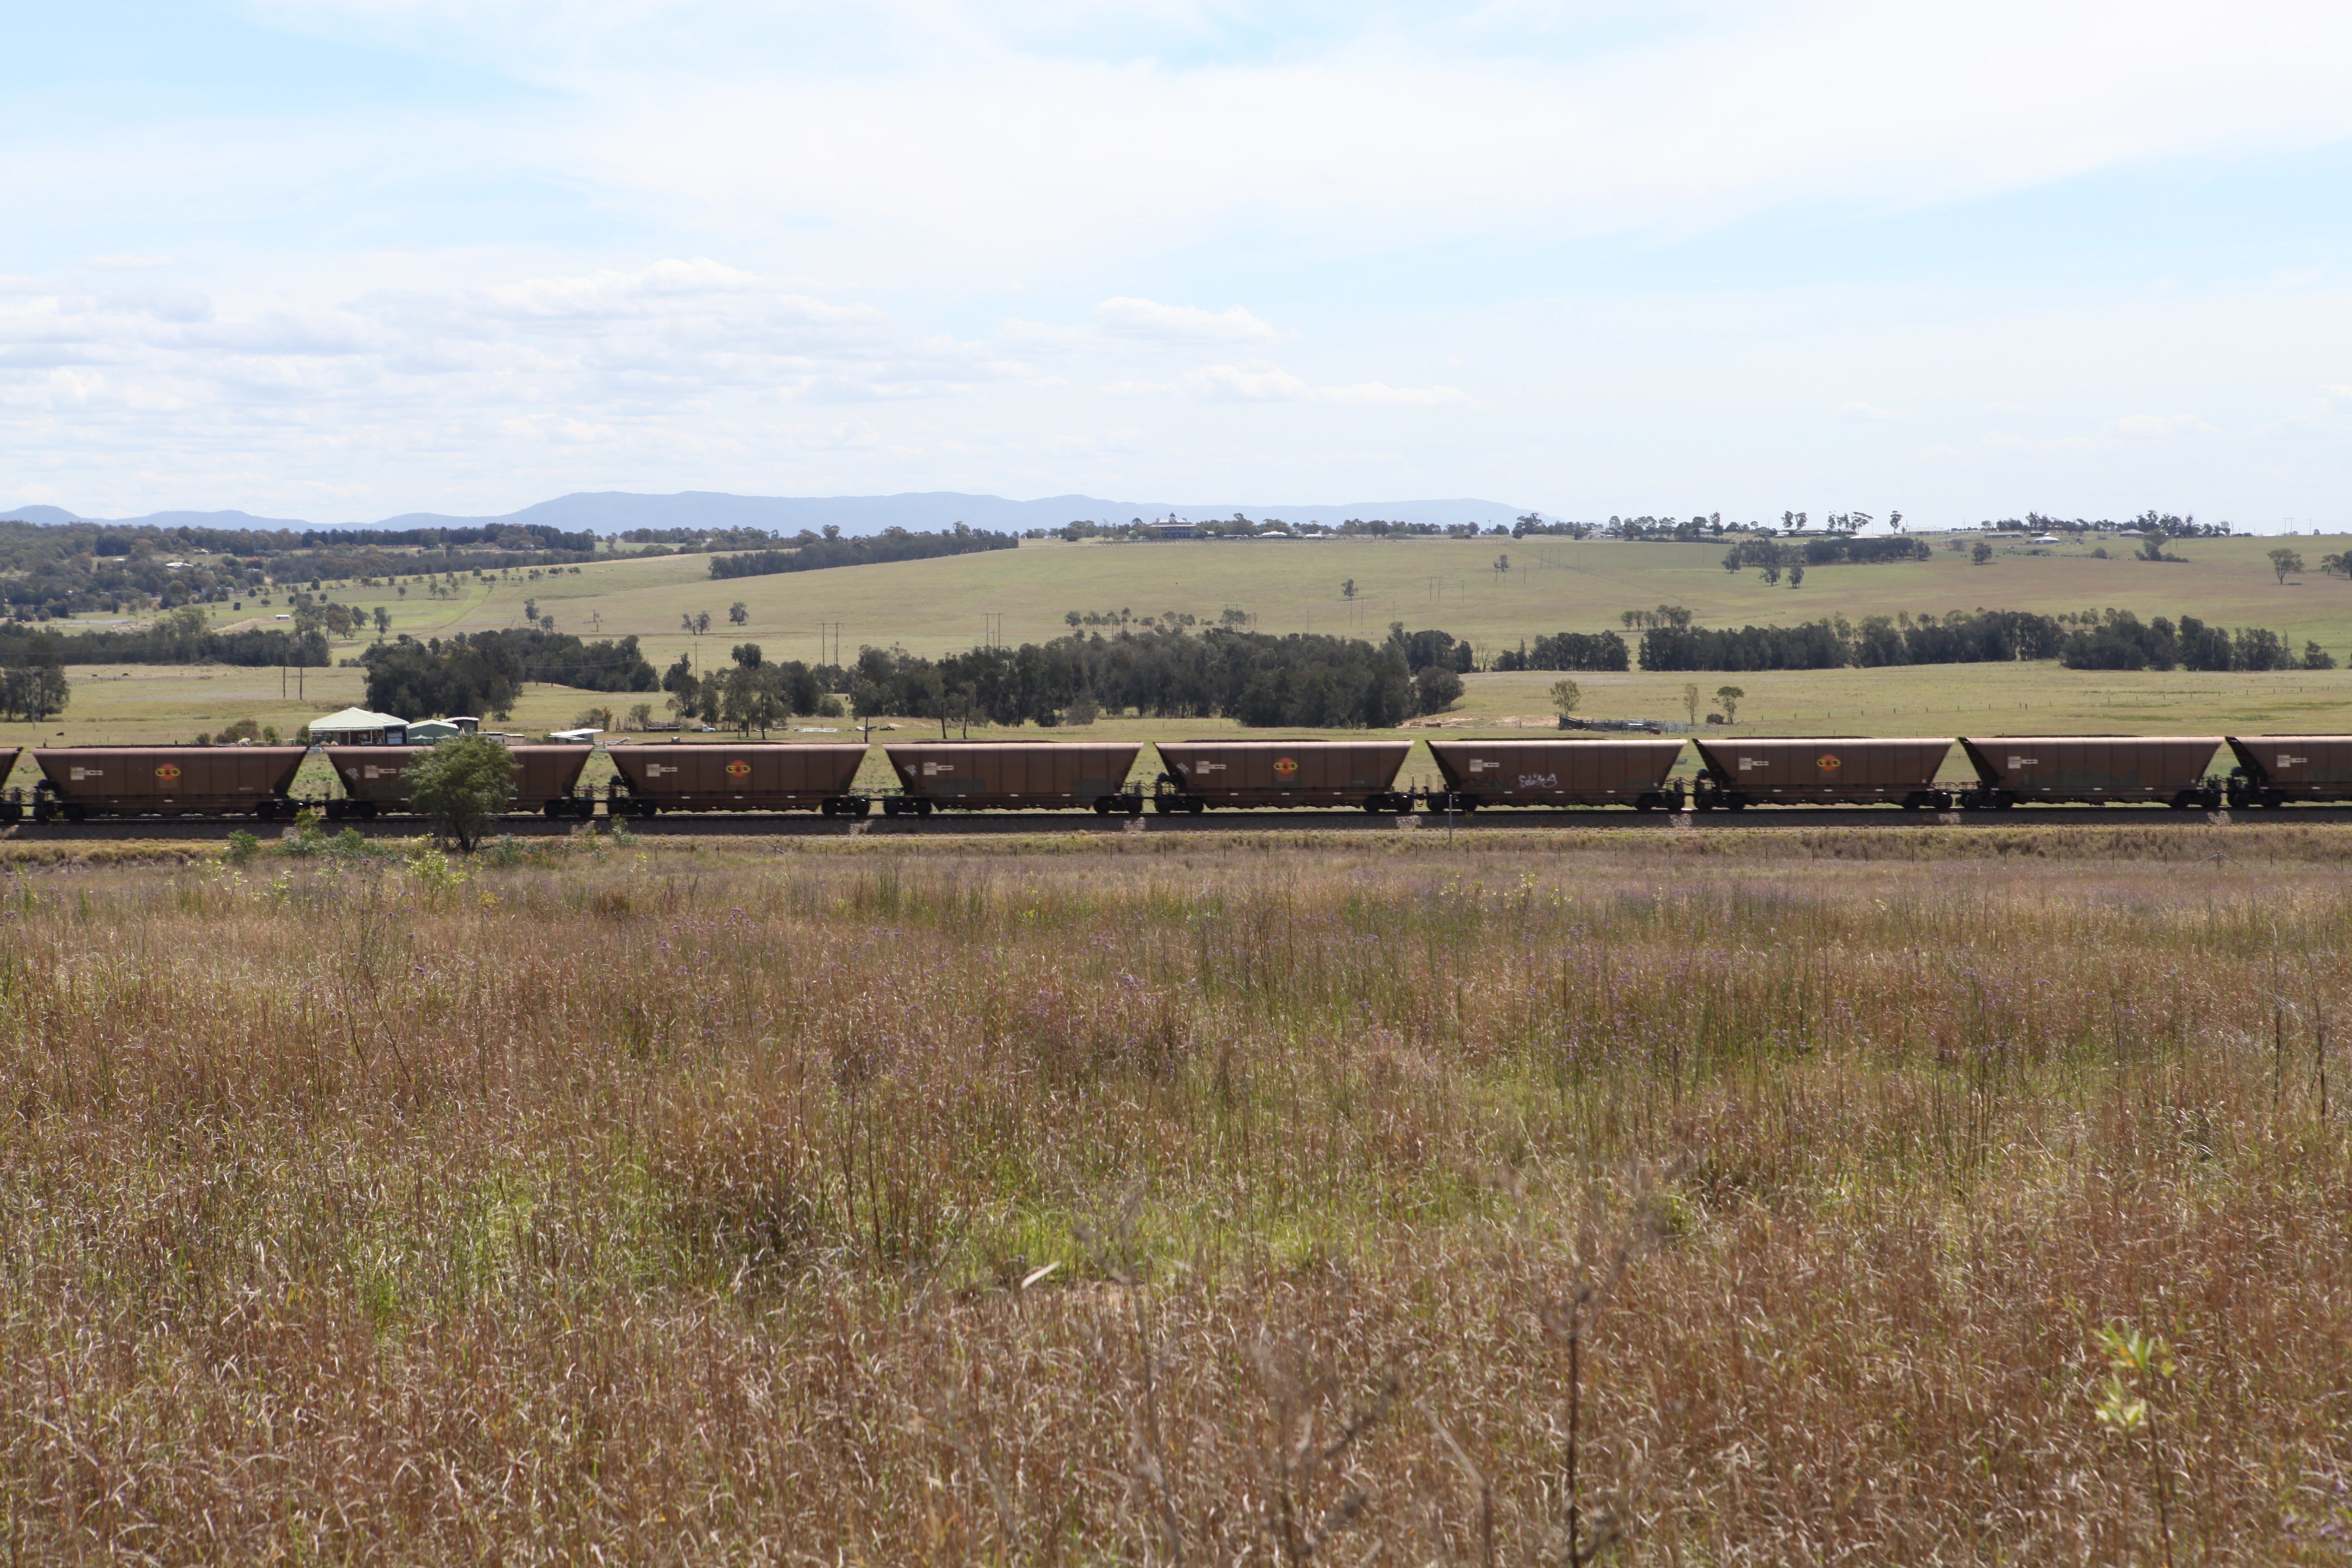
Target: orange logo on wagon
(1286,764)
(738,768)
(1829,763)
(168,772)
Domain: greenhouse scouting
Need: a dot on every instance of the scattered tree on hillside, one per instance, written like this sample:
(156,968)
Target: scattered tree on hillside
(31,692)
(2286,564)
(1565,696)
(1438,688)
(1729,699)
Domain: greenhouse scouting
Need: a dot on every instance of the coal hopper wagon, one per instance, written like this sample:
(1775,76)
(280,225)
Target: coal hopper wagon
(1555,773)
(2273,770)
(1012,775)
(81,781)
(752,777)
(1258,773)
(375,781)
(1842,770)
(2092,770)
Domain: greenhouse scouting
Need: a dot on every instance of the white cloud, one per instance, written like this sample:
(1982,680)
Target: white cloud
(2146,426)
(711,233)
(1270,384)
(1012,150)
(1232,383)
(1379,394)
(1149,321)
(602,357)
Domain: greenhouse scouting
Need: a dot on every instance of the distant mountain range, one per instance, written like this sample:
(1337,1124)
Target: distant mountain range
(616,511)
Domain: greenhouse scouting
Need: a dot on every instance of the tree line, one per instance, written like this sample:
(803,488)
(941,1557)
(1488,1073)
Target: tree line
(814,553)
(482,673)
(1569,650)
(183,637)
(1774,557)
(1256,678)
(2124,642)
(2116,641)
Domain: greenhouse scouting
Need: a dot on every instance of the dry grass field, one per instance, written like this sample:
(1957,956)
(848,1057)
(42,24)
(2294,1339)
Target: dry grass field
(1762,1198)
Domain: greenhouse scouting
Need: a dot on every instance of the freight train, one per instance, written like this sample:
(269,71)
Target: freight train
(80,782)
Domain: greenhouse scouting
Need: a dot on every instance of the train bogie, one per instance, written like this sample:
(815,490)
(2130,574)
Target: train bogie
(1842,770)
(1017,775)
(2169,770)
(1555,773)
(766,775)
(1204,774)
(79,782)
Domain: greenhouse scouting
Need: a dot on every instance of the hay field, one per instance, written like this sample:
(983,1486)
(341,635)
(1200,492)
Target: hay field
(1222,1199)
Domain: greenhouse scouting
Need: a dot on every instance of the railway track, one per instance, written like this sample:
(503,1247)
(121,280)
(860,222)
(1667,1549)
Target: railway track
(1002,824)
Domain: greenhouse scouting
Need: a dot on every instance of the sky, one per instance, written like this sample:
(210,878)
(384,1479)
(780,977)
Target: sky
(340,260)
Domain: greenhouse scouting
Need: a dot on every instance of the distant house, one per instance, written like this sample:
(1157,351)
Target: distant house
(1171,527)
(358,727)
(425,731)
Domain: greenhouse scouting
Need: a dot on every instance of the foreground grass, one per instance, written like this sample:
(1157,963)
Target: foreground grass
(1223,1201)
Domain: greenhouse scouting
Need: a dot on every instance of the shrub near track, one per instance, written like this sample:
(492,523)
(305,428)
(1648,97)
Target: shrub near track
(939,1207)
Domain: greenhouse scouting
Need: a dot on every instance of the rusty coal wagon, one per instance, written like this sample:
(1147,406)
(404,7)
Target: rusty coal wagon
(12,803)
(765,775)
(375,780)
(1203,773)
(2276,769)
(1839,770)
(80,781)
(2169,770)
(1012,775)
(1556,773)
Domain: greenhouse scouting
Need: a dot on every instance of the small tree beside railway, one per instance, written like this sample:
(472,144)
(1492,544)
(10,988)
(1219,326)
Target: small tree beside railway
(461,784)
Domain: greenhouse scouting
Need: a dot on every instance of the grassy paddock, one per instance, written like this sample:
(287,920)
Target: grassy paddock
(1098,1200)
(938,606)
